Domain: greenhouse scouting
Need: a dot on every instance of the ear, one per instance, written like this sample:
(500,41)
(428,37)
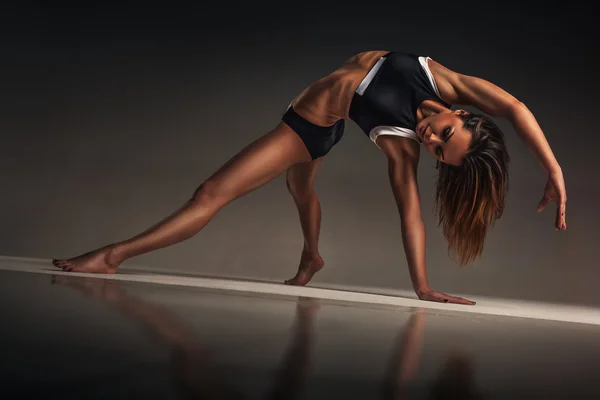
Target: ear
(461,112)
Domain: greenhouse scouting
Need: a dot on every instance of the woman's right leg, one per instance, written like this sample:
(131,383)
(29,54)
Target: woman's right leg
(257,164)
(300,180)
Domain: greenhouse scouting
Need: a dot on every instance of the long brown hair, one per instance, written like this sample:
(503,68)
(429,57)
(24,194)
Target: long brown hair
(470,197)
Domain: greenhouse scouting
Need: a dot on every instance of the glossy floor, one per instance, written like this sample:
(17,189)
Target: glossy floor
(74,337)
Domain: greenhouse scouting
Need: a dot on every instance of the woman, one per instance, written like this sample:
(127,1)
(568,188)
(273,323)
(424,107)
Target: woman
(399,100)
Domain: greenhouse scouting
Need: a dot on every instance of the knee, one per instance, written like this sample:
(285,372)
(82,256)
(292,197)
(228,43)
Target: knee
(300,192)
(207,193)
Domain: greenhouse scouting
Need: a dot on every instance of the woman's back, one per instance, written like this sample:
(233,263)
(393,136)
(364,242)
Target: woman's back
(328,99)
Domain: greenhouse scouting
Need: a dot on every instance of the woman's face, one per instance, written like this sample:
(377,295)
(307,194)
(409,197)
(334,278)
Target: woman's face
(444,137)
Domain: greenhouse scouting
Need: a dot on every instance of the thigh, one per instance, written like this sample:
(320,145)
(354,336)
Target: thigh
(258,163)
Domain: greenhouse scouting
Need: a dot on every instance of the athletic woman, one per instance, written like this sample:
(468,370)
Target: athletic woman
(402,102)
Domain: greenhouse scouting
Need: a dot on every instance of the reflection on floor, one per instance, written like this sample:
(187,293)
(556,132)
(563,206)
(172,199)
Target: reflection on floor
(74,337)
(355,295)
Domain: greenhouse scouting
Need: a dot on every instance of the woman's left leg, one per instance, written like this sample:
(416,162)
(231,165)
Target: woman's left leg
(254,166)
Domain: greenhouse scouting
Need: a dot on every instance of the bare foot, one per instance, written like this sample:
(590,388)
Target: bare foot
(100,261)
(310,264)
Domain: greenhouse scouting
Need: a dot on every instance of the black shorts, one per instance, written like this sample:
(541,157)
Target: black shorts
(318,139)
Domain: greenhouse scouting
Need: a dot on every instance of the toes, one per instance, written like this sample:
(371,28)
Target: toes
(295,282)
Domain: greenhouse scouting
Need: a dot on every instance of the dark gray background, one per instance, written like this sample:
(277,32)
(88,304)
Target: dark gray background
(111,116)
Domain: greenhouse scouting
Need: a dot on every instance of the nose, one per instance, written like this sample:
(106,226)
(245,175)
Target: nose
(431,137)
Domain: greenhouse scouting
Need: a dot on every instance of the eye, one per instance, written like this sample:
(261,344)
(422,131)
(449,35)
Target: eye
(445,133)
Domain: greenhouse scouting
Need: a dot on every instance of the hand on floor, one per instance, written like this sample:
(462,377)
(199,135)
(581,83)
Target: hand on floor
(432,295)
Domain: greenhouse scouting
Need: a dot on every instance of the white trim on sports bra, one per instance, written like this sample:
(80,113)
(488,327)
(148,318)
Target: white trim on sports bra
(425,66)
(392,130)
(364,84)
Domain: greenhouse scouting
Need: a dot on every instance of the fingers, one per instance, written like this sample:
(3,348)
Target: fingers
(560,221)
(561,212)
(558,183)
(543,203)
(561,217)
(444,298)
(459,300)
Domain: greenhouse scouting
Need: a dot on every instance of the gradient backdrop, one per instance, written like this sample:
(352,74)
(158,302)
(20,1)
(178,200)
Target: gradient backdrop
(111,116)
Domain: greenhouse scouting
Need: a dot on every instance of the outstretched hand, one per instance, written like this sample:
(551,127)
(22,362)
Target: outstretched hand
(432,295)
(555,190)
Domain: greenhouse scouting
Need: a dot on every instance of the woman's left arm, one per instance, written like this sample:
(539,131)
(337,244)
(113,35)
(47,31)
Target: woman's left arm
(469,90)
(403,158)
